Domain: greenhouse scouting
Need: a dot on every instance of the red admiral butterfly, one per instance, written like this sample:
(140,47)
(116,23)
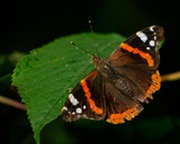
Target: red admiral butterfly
(115,89)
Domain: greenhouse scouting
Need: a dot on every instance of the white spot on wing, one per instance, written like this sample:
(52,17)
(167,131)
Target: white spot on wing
(84,106)
(148,48)
(142,36)
(78,110)
(151,28)
(64,108)
(152,43)
(73,100)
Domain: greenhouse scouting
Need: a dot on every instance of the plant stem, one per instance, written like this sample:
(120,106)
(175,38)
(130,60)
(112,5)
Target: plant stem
(171,77)
(12,103)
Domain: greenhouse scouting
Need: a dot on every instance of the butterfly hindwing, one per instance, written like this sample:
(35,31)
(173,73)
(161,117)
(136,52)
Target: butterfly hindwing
(120,105)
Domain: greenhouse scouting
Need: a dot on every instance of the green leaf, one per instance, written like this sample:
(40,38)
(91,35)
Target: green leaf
(44,76)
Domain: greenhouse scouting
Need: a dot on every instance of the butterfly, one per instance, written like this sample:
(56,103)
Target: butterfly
(117,87)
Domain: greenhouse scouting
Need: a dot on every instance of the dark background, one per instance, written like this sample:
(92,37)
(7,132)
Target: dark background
(29,24)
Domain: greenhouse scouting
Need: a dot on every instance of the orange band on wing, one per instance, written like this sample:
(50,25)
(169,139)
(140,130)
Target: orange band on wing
(156,84)
(92,104)
(142,54)
(120,117)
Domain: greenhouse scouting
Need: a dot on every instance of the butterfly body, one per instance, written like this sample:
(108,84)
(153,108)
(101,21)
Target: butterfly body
(117,86)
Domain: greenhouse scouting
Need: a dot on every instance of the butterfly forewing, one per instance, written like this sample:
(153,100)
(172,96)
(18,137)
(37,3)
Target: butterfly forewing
(86,100)
(140,49)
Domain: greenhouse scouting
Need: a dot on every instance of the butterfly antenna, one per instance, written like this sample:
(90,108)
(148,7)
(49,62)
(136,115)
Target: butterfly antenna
(77,47)
(94,41)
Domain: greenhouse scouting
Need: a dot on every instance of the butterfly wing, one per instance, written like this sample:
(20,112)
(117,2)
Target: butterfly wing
(120,106)
(86,100)
(140,49)
(137,59)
